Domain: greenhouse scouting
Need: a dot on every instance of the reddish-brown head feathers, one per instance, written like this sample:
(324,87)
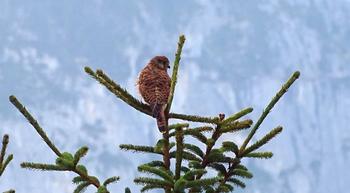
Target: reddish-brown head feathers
(160,62)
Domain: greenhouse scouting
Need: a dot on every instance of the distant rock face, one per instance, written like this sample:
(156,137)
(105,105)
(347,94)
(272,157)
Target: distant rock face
(237,54)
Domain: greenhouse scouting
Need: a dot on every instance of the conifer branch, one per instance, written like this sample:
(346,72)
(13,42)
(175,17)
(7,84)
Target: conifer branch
(123,94)
(202,182)
(174,126)
(241,173)
(239,166)
(155,164)
(194,118)
(229,146)
(220,168)
(35,124)
(166,155)
(196,134)
(190,174)
(217,156)
(236,126)
(110,180)
(4,164)
(262,141)
(166,149)
(5,141)
(236,116)
(179,151)
(184,169)
(236,169)
(77,180)
(79,154)
(186,156)
(206,157)
(10,191)
(138,148)
(79,169)
(261,155)
(43,167)
(236,182)
(118,91)
(160,172)
(175,71)
(81,187)
(267,110)
(232,166)
(223,126)
(209,145)
(195,149)
(65,161)
(151,187)
(152,181)
(148,149)
(203,129)
(90,179)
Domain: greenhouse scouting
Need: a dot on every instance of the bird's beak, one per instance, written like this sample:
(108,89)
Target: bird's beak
(168,66)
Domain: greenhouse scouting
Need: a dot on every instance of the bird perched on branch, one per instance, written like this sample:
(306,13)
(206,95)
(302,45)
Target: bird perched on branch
(154,87)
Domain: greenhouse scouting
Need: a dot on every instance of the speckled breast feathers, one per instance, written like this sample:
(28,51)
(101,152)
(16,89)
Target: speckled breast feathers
(154,86)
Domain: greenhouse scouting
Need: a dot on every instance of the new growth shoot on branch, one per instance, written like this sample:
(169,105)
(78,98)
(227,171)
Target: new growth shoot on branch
(182,166)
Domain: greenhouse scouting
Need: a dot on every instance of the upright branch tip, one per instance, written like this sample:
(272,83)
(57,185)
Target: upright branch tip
(296,74)
(34,123)
(271,104)
(88,70)
(5,139)
(3,164)
(175,71)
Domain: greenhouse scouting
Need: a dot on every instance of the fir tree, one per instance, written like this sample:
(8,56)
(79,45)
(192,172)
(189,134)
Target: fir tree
(191,162)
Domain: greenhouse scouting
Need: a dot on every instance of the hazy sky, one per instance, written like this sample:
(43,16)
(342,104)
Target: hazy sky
(237,54)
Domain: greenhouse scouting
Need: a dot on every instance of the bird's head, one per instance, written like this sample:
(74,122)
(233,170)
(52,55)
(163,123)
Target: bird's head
(160,62)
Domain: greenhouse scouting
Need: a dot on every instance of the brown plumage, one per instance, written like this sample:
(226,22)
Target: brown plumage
(154,87)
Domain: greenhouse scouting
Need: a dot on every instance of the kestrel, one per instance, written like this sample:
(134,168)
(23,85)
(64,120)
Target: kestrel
(154,87)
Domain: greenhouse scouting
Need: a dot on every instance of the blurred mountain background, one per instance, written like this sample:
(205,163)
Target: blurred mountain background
(237,54)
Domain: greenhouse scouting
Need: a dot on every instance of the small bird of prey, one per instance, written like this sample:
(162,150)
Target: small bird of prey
(154,87)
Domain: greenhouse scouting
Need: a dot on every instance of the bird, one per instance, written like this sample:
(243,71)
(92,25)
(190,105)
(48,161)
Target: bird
(154,87)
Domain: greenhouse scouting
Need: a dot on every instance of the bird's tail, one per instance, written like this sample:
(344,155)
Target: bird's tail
(158,113)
